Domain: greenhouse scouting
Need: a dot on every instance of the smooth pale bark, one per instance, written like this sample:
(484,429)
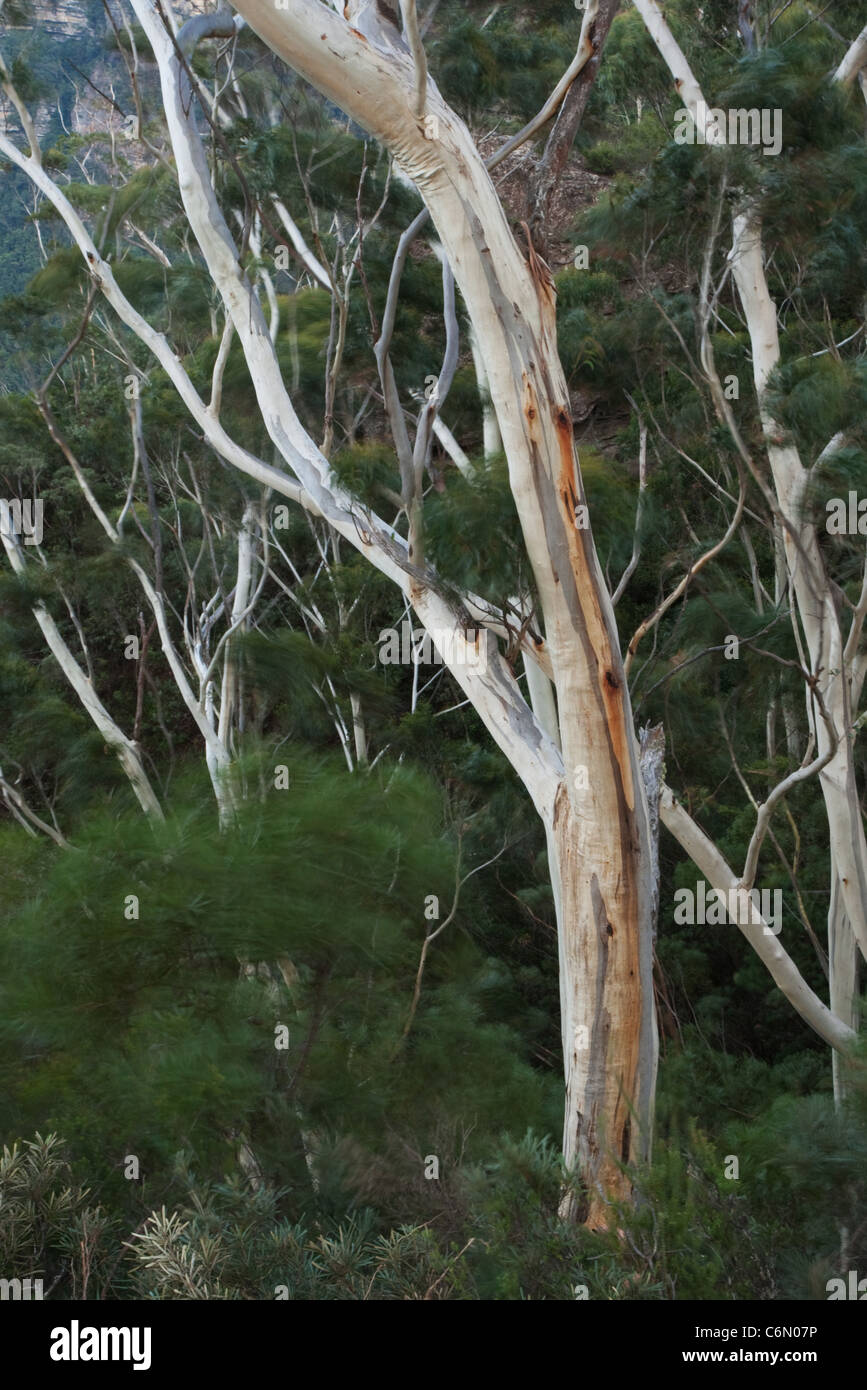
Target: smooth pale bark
(452,448)
(854,60)
(599,835)
(156,342)
(583,55)
(492,443)
(26,816)
(685,83)
(497,697)
(603,917)
(316,269)
(541,693)
(599,845)
(816,607)
(844,977)
(229,694)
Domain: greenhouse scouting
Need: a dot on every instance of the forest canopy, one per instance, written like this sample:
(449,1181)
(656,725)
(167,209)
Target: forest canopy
(433,500)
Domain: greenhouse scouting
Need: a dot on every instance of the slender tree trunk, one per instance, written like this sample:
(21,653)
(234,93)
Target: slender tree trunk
(844,962)
(833,674)
(492,443)
(816,607)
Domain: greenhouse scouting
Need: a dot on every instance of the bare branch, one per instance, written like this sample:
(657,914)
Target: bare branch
(416,47)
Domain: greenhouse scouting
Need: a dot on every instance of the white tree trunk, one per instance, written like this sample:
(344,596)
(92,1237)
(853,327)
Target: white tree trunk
(492,443)
(833,667)
(816,608)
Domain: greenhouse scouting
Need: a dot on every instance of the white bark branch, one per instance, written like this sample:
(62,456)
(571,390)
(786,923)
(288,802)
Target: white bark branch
(854,60)
(779,963)
(416,48)
(126,751)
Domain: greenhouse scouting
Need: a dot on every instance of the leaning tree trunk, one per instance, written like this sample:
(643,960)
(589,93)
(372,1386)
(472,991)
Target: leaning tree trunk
(596,814)
(834,680)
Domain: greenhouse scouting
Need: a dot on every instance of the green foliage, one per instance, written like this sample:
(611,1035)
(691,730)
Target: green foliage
(480,67)
(699,1230)
(473,532)
(48,1230)
(142,1036)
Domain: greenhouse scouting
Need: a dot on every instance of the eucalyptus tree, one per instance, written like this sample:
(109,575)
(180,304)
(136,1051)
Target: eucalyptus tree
(571,739)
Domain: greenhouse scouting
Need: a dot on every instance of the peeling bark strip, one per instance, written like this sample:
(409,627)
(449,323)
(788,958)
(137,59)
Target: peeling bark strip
(652,762)
(602,835)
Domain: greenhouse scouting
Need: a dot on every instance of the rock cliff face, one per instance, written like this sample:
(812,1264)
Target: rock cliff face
(61,21)
(62,17)
(68,17)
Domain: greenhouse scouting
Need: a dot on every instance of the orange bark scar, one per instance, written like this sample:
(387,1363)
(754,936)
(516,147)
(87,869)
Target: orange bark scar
(561,803)
(609,684)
